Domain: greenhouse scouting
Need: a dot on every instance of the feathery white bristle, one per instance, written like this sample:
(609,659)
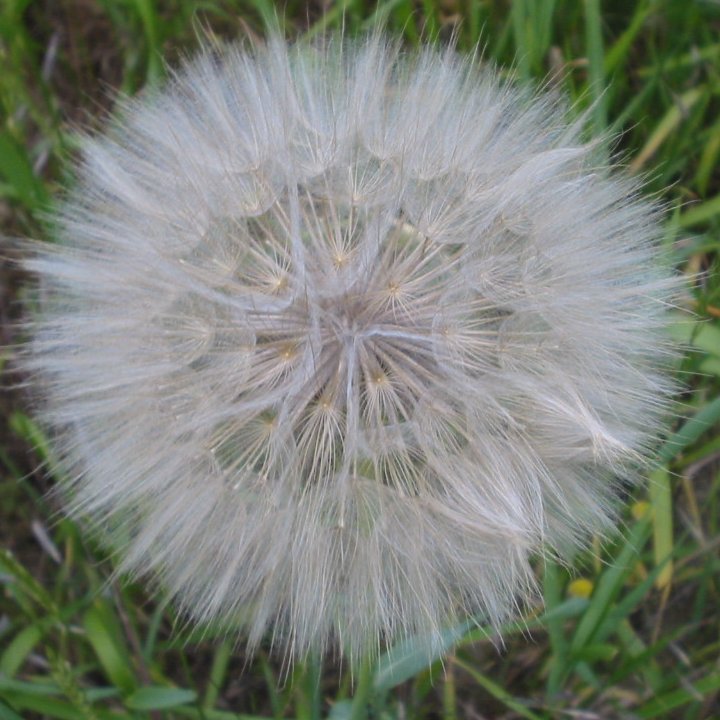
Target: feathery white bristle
(336,338)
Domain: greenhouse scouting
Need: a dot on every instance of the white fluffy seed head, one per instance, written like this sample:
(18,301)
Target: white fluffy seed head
(336,338)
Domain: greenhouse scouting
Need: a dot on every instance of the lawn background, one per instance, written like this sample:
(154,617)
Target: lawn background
(631,631)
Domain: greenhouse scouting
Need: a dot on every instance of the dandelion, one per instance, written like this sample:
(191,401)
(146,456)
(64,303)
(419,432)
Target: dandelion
(335,339)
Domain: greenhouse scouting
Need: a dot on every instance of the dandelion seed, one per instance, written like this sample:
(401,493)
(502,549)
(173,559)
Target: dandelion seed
(336,338)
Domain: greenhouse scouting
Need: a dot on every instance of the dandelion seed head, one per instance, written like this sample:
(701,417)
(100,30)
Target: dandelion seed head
(336,338)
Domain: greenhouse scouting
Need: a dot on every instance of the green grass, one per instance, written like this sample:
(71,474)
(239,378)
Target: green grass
(75,642)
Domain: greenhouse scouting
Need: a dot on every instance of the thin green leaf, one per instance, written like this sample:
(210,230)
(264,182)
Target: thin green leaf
(7,713)
(218,671)
(410,656)
(19,648)
(700,213)
(596,64)
(703,421)
(497,691)
(25,583)
(662,705)
(660,494)
(113,658)
(608,587)
(159,698)
(17,170)
(44,706)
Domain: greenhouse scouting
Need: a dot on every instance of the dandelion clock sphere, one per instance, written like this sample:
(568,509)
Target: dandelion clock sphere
(335,338)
